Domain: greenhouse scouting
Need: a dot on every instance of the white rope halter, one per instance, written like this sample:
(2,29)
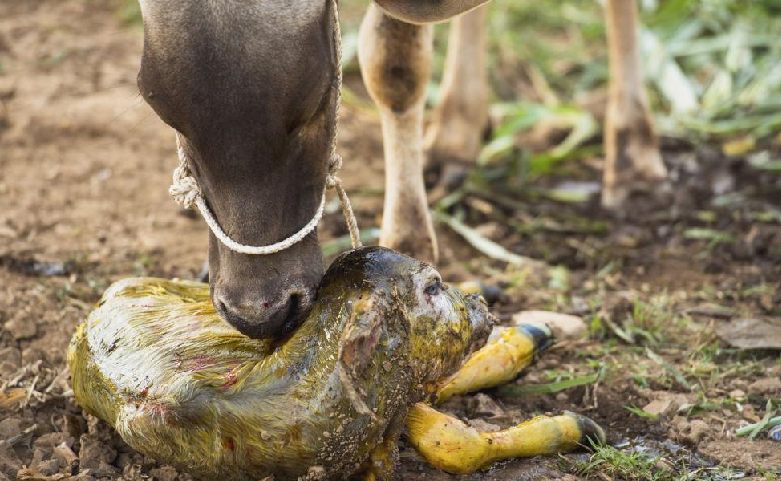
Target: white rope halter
(187,193)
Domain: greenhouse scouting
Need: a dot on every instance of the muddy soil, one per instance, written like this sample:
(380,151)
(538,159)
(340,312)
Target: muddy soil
(84,171)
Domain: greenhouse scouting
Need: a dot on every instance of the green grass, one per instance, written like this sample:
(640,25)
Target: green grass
(617,464)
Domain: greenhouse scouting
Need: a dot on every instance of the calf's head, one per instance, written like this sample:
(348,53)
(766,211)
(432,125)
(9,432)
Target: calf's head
(399,303)
(250,86)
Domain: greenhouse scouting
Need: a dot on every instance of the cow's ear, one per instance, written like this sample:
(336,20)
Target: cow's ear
(364,330)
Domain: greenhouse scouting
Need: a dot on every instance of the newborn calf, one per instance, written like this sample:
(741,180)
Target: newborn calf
(156,362)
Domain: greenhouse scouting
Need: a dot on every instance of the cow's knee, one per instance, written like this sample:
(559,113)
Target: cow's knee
(395,61)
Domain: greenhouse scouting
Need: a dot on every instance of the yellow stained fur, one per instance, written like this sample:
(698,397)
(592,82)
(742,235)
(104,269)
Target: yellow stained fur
(507,353)
(451,445)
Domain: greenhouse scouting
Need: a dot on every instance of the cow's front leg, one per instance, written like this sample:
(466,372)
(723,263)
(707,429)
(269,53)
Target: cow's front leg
(456,132)
(395,61)
(631,145)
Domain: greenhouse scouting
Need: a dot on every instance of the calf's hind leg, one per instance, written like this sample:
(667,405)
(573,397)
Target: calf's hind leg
(453,446)
(395,60)
(631,146)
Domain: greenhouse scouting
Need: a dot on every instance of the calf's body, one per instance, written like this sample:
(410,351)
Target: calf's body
(155,362)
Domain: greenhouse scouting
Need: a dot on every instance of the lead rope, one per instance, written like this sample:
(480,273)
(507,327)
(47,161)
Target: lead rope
(187,193)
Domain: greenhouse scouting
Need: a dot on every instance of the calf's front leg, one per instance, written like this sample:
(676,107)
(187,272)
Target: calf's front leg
(631,146)
(395,59)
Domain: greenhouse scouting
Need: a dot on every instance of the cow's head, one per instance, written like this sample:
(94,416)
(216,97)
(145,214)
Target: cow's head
(250,85)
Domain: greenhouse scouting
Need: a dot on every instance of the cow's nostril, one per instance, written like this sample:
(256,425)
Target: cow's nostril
(294,310)
(264,319)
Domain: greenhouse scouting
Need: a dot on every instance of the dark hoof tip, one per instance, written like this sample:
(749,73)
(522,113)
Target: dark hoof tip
(541,335)
(591,434)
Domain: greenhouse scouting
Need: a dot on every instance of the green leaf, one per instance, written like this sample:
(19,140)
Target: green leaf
(669,368)
(708,234)
(553,387)
(483,244)
(639,412)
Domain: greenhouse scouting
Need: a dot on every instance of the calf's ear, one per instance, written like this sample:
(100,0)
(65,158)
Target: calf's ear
(359,341)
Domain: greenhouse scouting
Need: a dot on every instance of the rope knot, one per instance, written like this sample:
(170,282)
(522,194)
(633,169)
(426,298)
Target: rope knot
(184,188)
(331,180)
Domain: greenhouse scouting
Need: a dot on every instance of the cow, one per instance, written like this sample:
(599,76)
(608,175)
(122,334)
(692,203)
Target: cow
(252,89)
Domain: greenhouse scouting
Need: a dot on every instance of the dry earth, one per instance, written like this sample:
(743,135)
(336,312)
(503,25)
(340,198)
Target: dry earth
(84,171)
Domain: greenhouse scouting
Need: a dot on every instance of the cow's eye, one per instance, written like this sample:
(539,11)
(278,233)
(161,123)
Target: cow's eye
(434,288)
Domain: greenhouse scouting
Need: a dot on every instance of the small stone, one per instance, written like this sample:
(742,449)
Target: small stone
(49,467)
(31,355)
(50,440)
(659,406)
(132,471)
(10,427)
(65,454)
(737,394)
(483,405)
(752,333)
(7,369)
(765,386)
(21,327)
(484,426)
(565,327)
(11,354)
(124,460)
(104,470)
(741,384)
(690,432)
(95,453)
(750,413)
(10,463)
(166,473)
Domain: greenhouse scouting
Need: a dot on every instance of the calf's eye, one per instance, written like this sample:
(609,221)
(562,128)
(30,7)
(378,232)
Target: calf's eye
(434,288)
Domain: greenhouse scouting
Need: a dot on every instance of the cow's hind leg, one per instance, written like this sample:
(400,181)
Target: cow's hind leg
(631,145)
(395,61)
(455,135)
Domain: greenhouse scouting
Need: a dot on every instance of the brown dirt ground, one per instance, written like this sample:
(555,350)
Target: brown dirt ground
(84,171)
